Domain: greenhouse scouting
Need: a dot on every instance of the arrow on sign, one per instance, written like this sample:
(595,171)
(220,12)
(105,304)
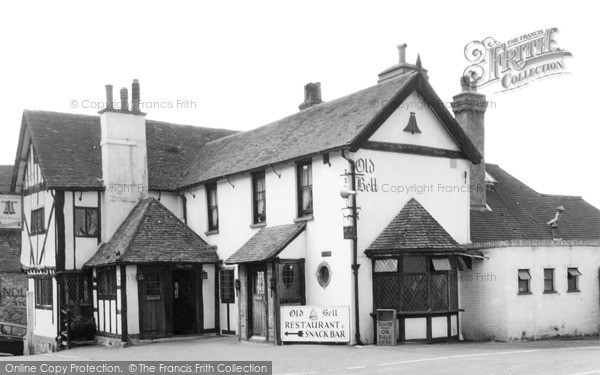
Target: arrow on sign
(299,333)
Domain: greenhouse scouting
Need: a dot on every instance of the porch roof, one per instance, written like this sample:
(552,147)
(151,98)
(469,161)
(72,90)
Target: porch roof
(413,229)
(153,234)
(266,244)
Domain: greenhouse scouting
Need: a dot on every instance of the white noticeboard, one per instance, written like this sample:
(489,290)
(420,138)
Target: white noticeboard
(10,212)
(325,324)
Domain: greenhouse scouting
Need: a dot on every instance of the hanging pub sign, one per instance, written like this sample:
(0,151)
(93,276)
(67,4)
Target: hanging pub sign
(326,324)
(10,212)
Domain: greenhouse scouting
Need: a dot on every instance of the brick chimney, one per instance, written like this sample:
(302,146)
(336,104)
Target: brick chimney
(469,109)
(402,67)
(124,158)
(312,95)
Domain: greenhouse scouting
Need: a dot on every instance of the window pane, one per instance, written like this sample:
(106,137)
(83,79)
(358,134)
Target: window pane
(548,279)
(441,264)
(227,286)
(415,293)
(80,222)
(386,265)
(387,291)
(523,286)
(414,264)
(212,197)
(259,283)
(214,217)
(524,275)
(574,272)
(153,286)
(289,283)
(92,222)
(306,199)
(439,292)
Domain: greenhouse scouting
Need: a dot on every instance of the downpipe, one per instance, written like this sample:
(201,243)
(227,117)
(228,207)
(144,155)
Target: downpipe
(355,265)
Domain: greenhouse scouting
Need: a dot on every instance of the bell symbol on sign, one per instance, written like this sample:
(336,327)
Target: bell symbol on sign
(313,315)
(9,209)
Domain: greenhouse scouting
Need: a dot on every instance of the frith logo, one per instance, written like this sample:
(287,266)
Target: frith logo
(515,63)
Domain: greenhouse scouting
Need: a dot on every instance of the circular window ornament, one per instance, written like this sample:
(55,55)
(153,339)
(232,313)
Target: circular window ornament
(324,274)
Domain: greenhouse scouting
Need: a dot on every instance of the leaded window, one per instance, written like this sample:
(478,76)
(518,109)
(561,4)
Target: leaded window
(227,285)
(107,282)
(76,289)
(86,222)
(415,283)
(290,282)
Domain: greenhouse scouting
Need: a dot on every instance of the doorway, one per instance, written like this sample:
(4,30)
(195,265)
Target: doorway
(152,309)
(184,301)
(257,296)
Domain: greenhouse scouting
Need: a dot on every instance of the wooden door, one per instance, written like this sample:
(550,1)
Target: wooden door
(258,301)
(152,306)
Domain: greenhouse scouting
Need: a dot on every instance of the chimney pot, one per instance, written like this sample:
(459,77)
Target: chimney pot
(312,95)
(135,96)
(402,53)
(124,97)
(109,97)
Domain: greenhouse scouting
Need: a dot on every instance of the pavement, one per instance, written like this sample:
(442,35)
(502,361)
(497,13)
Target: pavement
(572,357)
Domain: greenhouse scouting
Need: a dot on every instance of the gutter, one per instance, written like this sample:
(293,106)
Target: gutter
(355,265)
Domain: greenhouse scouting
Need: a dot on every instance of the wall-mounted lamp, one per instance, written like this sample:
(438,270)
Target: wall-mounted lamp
(237,284)
(204,275)
(345,192)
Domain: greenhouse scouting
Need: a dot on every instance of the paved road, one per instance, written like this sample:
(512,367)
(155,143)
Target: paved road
(581,357)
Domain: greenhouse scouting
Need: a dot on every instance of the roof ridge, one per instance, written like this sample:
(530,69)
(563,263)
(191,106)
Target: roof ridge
(161,122)
(562,196)
(319,106)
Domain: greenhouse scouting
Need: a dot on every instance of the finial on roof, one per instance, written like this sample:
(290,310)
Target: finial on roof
(418,64)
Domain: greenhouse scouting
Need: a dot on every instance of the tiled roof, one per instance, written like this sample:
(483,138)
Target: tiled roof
(412,229)
(266,244)
(6,172)
(153,234)
(324,127)
(68,147)
(521,213)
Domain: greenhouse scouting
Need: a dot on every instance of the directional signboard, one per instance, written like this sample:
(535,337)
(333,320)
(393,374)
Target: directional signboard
(325,324)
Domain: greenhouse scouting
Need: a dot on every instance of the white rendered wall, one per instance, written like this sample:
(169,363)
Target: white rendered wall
(494,309)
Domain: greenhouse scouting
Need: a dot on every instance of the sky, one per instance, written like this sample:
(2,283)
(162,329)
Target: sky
(240,65)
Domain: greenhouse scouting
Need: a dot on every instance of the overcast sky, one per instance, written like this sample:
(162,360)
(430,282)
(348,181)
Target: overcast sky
(240,65)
